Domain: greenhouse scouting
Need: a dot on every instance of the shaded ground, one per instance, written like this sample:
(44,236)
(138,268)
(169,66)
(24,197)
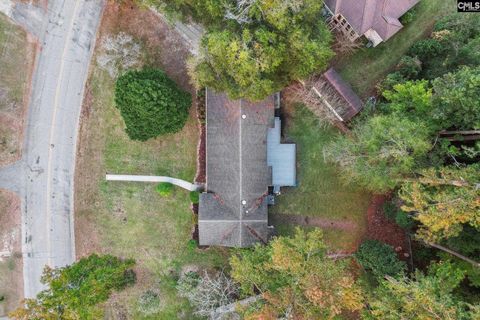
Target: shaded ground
(17,55)
(11,280)
(321,194)
(382,229)
(368,66)
(131,219)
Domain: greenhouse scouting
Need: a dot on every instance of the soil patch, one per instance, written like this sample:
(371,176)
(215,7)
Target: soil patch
(381,229)
(11,267)
(154,32)
(313,222)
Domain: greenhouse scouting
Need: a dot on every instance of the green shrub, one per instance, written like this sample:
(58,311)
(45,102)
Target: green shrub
(403,220)
(151,104)
(380,259)
(409,67)
(426,49)
(194,197)
(165,189)
(408,16)
(390,210)
(149,303)
(390,81)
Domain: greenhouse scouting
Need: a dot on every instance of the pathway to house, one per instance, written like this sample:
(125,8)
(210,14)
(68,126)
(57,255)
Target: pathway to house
(312,221)
(133,178)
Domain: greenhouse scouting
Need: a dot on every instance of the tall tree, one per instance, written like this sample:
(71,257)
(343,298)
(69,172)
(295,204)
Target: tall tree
(257,47)
(73,292)
(423,297)
(444,200)
(382,151)
(296,278)
(456,100)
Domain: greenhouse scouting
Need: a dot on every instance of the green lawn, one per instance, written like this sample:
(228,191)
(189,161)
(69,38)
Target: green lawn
(320,191)
(131,219)
(367,66)
(16,59)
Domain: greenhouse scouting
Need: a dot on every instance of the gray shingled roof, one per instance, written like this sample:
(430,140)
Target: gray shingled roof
(233,211)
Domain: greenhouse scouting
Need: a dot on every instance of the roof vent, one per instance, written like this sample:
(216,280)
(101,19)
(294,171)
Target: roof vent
(244,116)
(244,202)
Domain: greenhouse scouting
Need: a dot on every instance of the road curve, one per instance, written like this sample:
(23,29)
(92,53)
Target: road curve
(45,175)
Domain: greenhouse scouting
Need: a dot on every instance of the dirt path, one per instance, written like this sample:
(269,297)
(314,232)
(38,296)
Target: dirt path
(382,229)
(312,222)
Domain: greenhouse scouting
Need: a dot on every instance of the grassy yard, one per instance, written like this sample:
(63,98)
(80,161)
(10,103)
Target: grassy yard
(320,192)
(16,61)
(131,219)
(367,66)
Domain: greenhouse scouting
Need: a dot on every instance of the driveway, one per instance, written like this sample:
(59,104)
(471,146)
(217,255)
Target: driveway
(44,177)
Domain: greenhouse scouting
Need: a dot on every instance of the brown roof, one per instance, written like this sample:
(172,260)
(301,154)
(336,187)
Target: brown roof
(379,15)
(346,92)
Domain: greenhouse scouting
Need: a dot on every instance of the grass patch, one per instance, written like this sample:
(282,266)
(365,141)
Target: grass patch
(131,219)
(13,49)
(16,61)
(320,191)
(366,67)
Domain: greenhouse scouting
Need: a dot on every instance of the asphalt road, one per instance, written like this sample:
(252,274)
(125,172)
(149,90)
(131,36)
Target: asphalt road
(45,175)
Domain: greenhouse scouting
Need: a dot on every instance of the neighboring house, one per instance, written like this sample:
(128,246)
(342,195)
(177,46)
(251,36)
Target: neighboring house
(377,20)
(244,157)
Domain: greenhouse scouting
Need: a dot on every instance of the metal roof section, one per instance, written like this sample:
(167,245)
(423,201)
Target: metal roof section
(282,158)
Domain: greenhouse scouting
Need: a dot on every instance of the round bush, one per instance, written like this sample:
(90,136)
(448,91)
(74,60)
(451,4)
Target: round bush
(379,258)
(165,189)
(194,197)
(151,104)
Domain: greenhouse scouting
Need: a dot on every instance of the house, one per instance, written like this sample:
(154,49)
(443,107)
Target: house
(377,20)
(244,162)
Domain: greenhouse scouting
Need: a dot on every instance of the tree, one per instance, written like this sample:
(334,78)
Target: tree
(262,46)
(410,99)
(382,151)
(151,104)
(423,297)
(380,258)
(456,100)
(409,67)
(296,279)
(119,53)
(207,293)
(75,291)
(444,200)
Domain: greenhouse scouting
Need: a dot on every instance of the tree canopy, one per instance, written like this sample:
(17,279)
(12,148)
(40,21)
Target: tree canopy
(254,48)
(74,291)
(444,200)
(380,258)
(456,101)
(381,152)
(151,104)
(422,297)
(296,278)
